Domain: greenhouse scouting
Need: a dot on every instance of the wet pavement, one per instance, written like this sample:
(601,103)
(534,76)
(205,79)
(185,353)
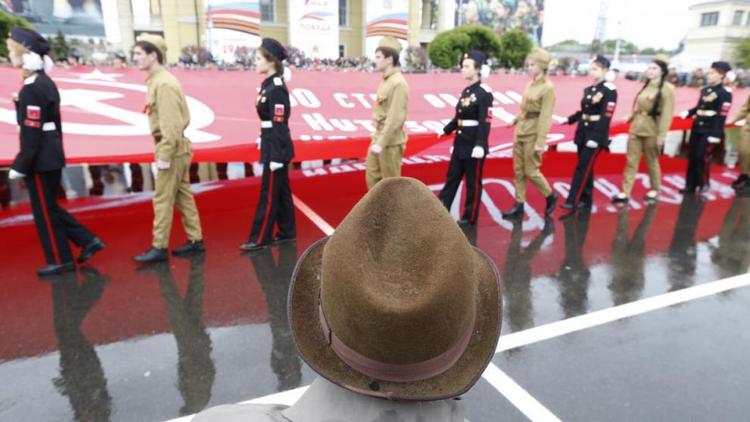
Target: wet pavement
(122,343)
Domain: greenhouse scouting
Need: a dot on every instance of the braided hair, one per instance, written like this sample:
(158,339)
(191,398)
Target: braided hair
(657,101)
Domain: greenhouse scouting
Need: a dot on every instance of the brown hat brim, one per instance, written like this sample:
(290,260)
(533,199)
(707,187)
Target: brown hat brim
(311,342)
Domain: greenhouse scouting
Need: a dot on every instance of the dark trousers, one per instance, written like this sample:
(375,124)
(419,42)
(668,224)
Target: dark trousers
(472,170)
(54,225)
(582,186)
(275,207)
(699,161)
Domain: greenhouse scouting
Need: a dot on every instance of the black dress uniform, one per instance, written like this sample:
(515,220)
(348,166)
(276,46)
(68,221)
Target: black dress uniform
(472,126)
(41,159)
(275,207)
(710,116)
(597,106)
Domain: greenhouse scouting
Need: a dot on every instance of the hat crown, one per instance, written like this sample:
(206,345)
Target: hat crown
(154,39)
(390,42)
(397,278)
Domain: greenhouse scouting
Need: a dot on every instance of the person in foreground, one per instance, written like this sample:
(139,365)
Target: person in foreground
(397,319)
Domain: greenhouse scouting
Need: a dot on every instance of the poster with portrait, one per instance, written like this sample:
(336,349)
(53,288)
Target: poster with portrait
(72,17)
(504,15)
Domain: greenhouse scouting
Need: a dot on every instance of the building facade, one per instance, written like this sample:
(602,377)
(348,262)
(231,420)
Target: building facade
(716,27)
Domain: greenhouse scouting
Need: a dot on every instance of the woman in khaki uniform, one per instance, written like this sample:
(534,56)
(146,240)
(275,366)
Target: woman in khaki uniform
(743,146)
(532,125)
(649,122)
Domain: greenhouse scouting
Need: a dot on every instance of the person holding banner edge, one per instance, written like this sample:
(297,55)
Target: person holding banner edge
(275,207)
(471,123)
(708,127)
(592,133)
(389,140)
(650,120)
(41,158)
(532,125)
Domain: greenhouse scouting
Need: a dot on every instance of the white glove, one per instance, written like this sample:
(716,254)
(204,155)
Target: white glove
(714,140)
(684,114)
(477,152)
(591,144)
(451,150)
(163,165)
(376,149)
(257,142)
(13,175)
(275,165)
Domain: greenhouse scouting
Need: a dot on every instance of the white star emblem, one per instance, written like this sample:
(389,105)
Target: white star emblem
(96,75)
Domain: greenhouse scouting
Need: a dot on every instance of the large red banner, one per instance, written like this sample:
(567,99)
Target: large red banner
(331,117)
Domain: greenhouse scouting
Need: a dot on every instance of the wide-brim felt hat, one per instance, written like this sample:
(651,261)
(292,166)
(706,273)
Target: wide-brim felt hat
(397,304)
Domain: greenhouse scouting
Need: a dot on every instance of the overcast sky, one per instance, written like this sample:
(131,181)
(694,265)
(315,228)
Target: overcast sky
(647,23)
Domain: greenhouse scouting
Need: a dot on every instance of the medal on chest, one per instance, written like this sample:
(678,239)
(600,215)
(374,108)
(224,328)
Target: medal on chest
(467,101)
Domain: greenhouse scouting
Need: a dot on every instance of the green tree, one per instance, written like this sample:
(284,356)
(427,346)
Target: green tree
(742,53)
(8,22)
(60,47)
(516,45)
(448,47)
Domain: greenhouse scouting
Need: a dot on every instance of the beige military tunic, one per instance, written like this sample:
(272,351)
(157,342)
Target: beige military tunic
(326,402)
(743,143)
(389,116)
(168,117)
(532,125)
(645,131)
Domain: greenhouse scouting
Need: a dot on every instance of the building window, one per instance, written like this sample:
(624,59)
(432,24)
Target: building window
(342,51)
(710,19)
(747,22)
(344,13)
(267,12)
(738,17)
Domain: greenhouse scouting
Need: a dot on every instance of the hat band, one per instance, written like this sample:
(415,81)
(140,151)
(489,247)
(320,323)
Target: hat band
(397,372)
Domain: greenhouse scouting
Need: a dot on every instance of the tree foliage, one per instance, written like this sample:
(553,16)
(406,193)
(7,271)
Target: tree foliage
(448,47)
(8,22)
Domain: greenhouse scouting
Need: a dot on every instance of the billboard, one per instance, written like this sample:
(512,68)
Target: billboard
(72,17)
(504,15)
(386,18)
(232,27)
(314,27)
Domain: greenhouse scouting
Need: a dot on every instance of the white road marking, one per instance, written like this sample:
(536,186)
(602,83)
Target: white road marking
(593,319)
(515,394)
(313,216)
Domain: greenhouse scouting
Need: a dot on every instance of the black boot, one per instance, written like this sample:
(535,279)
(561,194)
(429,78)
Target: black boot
(551,202)
(687,190)
(55,269)
(280,240)
(740,180)
(516,211)
(190,247)
(152,255)
(90,250)
(252,246)
(567,206)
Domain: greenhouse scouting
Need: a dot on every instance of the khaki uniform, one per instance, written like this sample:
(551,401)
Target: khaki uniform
(389,117)
(645,129)
(168,117)
(743,143)
(532,126)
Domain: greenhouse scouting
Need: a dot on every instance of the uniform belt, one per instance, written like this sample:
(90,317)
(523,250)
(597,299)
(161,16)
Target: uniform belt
(49,127)
(532,114)
(591,117)
(266,124)
(706,113)
(467,123)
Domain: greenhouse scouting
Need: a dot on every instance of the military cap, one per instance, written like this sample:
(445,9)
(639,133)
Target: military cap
(32,40)
(390,42)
